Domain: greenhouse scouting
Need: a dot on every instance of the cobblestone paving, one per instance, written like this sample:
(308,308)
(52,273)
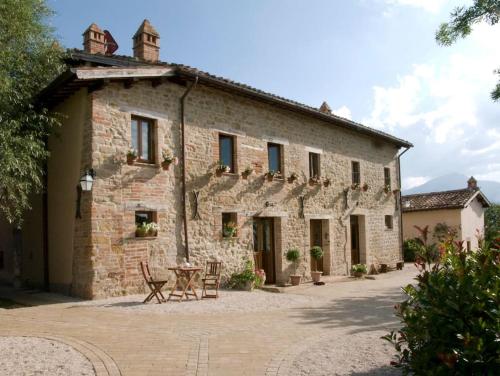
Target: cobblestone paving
(337,336)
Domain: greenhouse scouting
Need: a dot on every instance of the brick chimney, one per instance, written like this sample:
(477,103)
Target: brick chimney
(147,42)
(93,40)
(325,108)
(472,184)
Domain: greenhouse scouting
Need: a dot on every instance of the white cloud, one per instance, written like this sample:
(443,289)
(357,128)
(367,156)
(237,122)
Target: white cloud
(344,112)
(432,6)
(414,181)
(443,104)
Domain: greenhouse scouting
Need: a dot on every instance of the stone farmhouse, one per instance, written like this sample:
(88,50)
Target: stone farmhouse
(257,174)
(461,210)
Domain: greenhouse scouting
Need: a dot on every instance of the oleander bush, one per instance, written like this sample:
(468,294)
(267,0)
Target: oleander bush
(451,317)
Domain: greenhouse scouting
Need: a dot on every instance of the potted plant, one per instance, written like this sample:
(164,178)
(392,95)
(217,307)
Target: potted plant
(272,174)
(327,182)
(293,255)
(354,186)
(387,188)
(141,230)
(314,180)
(229,230)
(316,254)
(293,177)
(244,280)
(365,187)
(247,172)
(152,229)
(131,156)
(222,168)
(168,159)
(260,277)
(358,270)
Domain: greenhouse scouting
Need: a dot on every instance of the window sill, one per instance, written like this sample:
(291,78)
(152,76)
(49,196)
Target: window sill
(143,237)
(145,164)
(231,174)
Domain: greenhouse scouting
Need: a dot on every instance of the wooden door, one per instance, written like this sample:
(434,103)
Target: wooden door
(355,254)
(316,236)
(263,229)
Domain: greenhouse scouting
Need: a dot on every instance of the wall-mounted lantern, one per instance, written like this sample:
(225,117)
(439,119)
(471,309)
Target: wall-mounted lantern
(85,185)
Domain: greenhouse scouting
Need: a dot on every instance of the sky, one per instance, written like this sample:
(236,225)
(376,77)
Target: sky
(373,61)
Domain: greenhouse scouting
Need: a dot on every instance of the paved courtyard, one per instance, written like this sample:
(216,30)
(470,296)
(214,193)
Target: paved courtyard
(315,330)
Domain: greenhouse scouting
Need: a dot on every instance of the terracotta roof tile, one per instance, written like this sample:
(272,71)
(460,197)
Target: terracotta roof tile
(455,199)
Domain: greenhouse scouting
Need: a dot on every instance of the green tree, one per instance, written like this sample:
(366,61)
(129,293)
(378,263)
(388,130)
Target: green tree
(492,223)
(30,58)
(461,22)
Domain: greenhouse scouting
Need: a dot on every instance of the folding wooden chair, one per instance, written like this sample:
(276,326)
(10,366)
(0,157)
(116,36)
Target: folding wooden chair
(154,286)
(212,279)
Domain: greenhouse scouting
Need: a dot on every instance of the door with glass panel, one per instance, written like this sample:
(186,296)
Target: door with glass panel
(264,252)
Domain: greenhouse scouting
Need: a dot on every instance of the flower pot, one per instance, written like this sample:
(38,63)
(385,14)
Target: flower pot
(166,165)
(131,159)
(316,276)
(383,268)
(152,233)
(270,177)
(140,233)
(295,280)
(357,274)
(248,286)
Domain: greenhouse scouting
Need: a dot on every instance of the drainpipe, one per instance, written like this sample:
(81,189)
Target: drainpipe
(183,164)
(398,161)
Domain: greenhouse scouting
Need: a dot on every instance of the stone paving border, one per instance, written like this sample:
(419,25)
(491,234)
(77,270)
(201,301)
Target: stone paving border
(103,364)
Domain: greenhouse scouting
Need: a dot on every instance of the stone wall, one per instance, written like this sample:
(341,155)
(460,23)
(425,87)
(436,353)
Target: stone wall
(114,252)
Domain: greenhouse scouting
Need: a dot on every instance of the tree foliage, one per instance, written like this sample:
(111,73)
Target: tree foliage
(30,58)
(461,22)
(451,318)
(492,223)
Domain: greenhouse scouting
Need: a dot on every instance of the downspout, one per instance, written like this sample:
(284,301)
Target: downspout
(45,223)
(183,164)
(398,161)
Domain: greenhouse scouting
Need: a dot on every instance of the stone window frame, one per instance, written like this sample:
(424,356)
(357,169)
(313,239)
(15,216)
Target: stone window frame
(389,222)
(355,175)
(234,156)
(153,159)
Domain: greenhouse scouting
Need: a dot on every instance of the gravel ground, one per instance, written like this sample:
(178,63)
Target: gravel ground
(39,356)
(349,354)
(228,301)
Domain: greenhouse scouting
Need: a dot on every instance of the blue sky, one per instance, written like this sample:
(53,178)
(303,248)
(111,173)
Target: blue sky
(374,61)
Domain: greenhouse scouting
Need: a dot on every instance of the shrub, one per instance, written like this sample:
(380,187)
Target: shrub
(451,318)
(238,280)
(316,252)
(359,268)
(293,255)
(411,248)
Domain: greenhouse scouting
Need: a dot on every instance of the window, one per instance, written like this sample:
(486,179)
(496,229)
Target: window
(388,222)
(226,151)
(387,177)
(356,174)
(143,140)
(274,157)
(314,169)
(145,224)
(229,225)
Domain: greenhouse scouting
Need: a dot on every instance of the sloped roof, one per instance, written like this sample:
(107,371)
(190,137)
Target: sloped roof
(455,199)
(76,57)
(147,28)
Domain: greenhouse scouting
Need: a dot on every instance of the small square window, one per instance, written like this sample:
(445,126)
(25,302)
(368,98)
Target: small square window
(388,222)
(274,156)
(143,139)
(227,152)
(314,165)
(229,225)
(356,173)
(146,223)
(387,177)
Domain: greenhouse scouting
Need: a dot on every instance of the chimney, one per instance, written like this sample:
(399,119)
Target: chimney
(93,40)
(325,108)
(147,42)
(472,184)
